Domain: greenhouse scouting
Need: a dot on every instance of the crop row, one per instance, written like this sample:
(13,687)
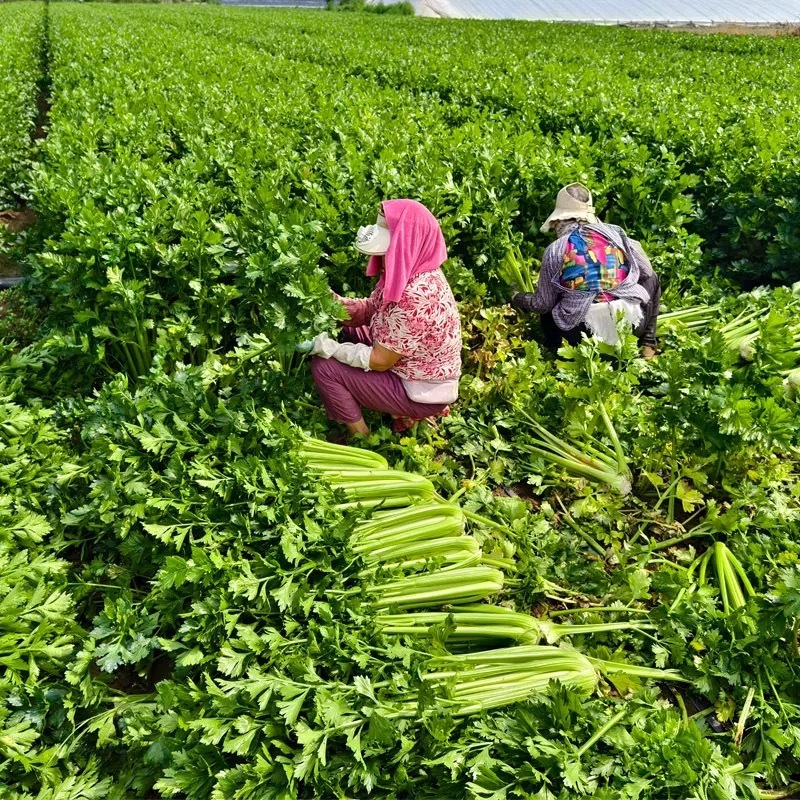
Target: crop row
(296,144)
(675,132)
(21,32)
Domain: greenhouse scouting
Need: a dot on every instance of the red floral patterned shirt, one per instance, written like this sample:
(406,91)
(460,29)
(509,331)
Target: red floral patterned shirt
(423,326)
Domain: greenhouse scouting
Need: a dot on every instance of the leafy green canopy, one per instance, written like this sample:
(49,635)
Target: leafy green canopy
(181,607)
(204,172)
(21,42)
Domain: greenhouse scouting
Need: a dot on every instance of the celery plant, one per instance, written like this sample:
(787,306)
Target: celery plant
(481,624)
(592,460)
(513,271)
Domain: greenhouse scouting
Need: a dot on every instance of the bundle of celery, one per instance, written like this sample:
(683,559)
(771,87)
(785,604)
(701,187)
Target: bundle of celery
(445,586)
(740,333)
(414,535)
(463,551)
(592,460)
(437,519)
(373,488)
(514,272)
(425,539)
(482,624)
(475,682)
(695,318)
(326,456)
(365,477)
(734,585)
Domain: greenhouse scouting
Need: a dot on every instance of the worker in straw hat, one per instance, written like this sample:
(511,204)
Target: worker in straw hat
(403,350)
(592,276)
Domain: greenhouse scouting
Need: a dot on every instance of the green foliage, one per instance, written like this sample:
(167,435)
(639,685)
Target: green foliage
(21,31)
(402,9)
(183,609)
(209,202)
(18,318)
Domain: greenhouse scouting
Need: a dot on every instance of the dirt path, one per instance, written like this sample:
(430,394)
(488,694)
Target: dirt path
(731,28)
(15,221)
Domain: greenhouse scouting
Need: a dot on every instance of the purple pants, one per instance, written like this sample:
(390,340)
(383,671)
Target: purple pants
(346,390)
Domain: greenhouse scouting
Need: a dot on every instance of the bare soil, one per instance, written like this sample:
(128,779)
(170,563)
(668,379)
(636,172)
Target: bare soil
(9,268)
(43,117)
(15,221)
(734,29)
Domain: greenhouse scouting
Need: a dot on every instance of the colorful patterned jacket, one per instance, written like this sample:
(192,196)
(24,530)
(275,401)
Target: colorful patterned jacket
(569,306)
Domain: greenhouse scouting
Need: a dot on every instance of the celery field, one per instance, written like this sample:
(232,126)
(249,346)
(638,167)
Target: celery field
(585,583)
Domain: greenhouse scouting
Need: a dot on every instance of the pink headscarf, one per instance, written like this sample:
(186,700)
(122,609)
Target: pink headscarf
(416,245)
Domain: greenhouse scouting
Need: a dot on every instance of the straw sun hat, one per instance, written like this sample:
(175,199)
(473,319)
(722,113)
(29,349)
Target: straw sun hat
(572,202)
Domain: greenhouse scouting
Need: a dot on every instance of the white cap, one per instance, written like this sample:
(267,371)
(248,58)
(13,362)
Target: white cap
(373,240)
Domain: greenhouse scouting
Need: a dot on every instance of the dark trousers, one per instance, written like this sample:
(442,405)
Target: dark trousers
(645,331)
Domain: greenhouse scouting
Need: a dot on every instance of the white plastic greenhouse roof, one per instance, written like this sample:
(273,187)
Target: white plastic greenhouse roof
(667,12)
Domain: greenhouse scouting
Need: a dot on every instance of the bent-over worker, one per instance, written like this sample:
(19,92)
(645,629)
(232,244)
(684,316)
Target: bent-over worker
(590,274)
(404,353)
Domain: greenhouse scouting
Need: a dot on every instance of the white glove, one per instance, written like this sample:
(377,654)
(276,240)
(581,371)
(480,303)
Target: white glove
(322,345)
(354,355)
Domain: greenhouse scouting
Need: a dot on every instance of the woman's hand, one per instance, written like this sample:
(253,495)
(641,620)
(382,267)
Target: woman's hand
(343,301)
(360,310)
